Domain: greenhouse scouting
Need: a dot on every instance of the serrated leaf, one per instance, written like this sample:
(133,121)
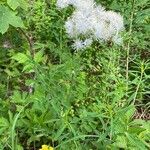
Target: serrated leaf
(59,132)
(17,3)
(130,112)
(140,3)
(28,68)
(135,141)
(38,56)
(4,125)
(4,122)
(121,142)
(20,57)
(8,17)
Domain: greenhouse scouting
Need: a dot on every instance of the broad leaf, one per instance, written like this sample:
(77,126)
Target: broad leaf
(17,3)
(8,17)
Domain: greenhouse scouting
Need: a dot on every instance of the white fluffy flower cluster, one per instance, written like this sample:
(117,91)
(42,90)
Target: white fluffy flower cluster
(92,22)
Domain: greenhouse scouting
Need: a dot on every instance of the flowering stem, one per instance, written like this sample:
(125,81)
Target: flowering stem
(129,42)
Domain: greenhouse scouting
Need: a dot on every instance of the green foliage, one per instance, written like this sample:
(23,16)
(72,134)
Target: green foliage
(51,95)
(8,17)
(17,3)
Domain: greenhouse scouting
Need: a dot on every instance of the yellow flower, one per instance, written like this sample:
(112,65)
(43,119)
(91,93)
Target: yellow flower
(46,147)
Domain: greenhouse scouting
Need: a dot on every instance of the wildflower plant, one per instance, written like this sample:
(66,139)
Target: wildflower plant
(95,99)
(91,22)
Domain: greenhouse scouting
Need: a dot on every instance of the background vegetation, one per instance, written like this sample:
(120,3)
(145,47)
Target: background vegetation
(49,94)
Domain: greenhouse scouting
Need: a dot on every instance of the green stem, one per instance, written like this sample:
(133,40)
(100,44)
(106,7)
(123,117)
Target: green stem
(13,128)
(138,86)
(129,43)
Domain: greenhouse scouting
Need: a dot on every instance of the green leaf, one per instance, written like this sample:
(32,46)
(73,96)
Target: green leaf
(4,125)
(19,147)
(4,122)
(59,132)
(130,112)
(135,141)
(38,56)
(20,57)
(141,3)
(121,142)
(28,68)
(8,17)
(17,3)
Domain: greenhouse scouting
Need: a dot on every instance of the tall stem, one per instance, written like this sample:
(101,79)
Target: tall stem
(140,81)
(129,43)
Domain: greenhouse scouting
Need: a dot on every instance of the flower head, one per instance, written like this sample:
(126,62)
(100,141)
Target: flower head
(79,44)
(91,21)
(62,3)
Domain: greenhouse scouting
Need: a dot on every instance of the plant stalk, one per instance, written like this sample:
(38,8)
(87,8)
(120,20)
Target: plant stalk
(128,45)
